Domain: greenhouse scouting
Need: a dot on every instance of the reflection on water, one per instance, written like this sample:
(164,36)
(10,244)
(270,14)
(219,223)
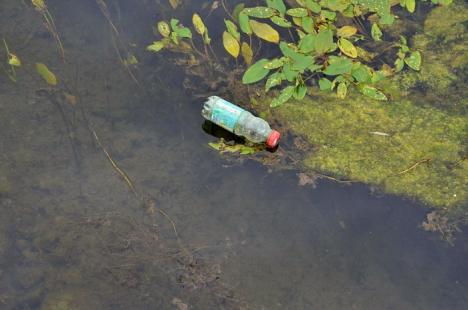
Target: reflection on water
(74,236)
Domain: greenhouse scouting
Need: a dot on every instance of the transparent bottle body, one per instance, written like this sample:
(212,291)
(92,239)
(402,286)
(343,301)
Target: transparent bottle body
(236,119)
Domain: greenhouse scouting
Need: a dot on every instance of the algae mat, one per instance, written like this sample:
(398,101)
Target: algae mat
(406,149)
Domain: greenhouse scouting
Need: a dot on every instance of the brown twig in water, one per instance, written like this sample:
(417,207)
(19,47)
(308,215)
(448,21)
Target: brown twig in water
(425,160)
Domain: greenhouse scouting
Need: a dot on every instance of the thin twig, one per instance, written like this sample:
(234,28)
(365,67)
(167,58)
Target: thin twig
(425,160)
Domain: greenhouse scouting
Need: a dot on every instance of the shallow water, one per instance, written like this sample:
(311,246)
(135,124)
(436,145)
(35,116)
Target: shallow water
(74,236)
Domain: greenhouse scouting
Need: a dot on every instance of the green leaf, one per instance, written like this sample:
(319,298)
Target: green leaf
(347,48)
(372,92)
(361,73)
(324,41)
(300,91)
(281,21)
(299,61)
(410,5)
(399,64)
(46,74)
(244,23)
(273,80)
(289,73)
(307,43)
(284,96)
(297,12)
(264,31)
(237,9)
(308,24)
(376,32)
(414,61)
(277,5)
(274,63)
(156,46)
(346,31)
(325,84)
(259,12)
(325,14)
(338,65)
(232,29)
(184,32)
(341,90)
(313,6)
(256,72)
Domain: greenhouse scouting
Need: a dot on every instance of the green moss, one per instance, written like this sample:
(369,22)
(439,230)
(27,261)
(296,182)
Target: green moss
(372,142)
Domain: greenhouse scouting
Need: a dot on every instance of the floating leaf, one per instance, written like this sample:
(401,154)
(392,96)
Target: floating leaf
(274,63)
(410,5)
(237,9)
(247,53)
(232,29)
(308,24)
(299,61)
(277,5)
(325,84)
(414,61)
(297,12)
(281,21)
(313,6)
(156,46)
(347,48)
(273,80)
(324,14)
(230,44)
(13,60)
(372,92)
(399,64)
(184,32)
(324,41)
(361,73)
(164,29)
(256,72)
(259,12)
(198,24)
(300,91)
(244,23)
(46,74)
(341,90)
(264,31)
(376,32)
(307,43)
(338,65)
(284,96)
(346,31)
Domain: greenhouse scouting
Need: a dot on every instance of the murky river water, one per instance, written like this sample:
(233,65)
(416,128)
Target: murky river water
(200,230)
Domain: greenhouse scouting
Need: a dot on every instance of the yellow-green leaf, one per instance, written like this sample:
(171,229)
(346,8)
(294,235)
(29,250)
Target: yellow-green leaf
(410,5)
(376,32)
(198,24)
(346,31)
(156,46)
(247,53)
(46,74)
(13,60)
(164,29)
(341,90)
(347,48)
(264,31)
(230,44)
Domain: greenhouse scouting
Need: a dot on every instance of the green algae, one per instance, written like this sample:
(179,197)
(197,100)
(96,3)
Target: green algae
(406,149)
(445,58)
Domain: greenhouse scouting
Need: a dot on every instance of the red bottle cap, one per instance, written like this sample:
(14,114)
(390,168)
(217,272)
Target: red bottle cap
(273,139)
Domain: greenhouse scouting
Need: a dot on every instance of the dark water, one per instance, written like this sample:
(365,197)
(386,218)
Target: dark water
(74,236)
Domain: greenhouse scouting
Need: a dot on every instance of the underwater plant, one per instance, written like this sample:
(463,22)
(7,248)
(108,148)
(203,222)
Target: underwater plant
(13,61)
(319,43)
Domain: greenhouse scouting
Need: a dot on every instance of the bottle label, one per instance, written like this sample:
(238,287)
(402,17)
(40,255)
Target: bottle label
(225,114)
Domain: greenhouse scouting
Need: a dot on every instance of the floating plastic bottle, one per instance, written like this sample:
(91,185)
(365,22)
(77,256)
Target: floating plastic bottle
(239,121)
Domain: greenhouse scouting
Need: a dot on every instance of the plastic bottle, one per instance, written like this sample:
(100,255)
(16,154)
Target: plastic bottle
(239,121)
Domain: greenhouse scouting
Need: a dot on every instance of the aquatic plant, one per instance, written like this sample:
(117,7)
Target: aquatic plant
(13,62)
(49,23)
(320,43)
